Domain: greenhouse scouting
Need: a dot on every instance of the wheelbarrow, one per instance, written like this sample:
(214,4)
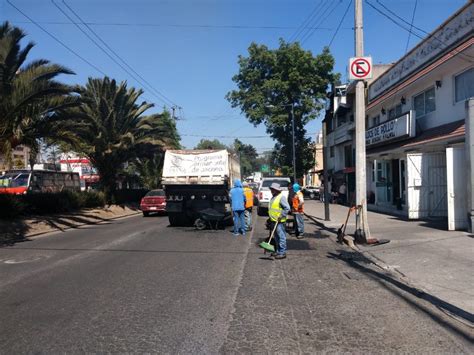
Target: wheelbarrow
(210,218)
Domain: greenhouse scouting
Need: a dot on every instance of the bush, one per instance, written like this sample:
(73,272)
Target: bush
(47,203)
(128,196)
(11,206)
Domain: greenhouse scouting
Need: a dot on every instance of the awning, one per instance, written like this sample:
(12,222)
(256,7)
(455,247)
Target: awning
(453,131)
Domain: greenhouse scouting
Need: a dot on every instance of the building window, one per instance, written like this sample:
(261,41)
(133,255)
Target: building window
(331,151)
(464,85)
(375,120)
(424,103)
(395,112)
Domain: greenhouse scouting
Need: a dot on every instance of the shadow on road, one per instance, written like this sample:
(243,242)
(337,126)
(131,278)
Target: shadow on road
(13,232)
(361,263)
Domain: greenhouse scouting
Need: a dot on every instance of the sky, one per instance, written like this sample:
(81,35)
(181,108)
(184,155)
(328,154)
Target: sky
(184,52)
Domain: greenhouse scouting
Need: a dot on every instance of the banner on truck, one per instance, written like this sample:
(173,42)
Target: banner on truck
(196,164)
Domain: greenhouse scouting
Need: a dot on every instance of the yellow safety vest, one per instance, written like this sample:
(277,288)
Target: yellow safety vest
(274,210)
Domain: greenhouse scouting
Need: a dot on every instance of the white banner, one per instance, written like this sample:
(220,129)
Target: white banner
(398,128)
(204,164)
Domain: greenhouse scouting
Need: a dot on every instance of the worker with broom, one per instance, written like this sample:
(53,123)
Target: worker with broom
(278,209)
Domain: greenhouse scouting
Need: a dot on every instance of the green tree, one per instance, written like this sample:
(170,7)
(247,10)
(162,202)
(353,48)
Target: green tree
(148,163)
(270,82)
(248,157)
(208,144)
(32,102)
(117,131)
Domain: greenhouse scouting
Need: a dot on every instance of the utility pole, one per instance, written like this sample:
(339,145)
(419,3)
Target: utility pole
(362,229)
(326,191)
(293,135)
(470,161)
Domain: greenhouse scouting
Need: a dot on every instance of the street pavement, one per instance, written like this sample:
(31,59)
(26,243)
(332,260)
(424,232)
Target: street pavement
(137,285)
(438,262)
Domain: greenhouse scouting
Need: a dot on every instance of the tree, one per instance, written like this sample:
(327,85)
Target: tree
(148,164)
(32,102)
(270,82)
(117,131)
(247,155)
(208,144)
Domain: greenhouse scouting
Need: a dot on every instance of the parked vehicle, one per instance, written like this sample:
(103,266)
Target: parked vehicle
(153,201)
(264,194)
(20,182)
(196,180)
(311,192)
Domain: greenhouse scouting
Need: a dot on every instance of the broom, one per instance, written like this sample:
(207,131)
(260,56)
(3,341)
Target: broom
(267,245)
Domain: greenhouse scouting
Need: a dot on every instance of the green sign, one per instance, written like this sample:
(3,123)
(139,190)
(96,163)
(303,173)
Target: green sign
(265,168)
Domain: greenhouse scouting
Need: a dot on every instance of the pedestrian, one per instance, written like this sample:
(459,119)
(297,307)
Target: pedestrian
(278,209)
(248,192)
(298,211)
(342,193)
(237,200)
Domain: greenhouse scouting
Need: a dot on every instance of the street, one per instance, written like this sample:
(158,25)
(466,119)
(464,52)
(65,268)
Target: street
(137,285)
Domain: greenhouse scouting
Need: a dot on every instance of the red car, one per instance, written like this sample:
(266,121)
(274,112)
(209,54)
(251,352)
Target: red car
(154,201)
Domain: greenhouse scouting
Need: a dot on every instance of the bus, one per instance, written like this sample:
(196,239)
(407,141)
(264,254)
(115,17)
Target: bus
(20,182)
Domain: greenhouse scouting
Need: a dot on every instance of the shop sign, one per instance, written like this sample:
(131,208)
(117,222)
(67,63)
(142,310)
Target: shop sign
(399,128)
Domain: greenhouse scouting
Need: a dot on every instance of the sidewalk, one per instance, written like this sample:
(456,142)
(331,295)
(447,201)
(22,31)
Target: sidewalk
(438,262)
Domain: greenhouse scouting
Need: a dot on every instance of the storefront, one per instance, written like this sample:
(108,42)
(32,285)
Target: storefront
(412,176)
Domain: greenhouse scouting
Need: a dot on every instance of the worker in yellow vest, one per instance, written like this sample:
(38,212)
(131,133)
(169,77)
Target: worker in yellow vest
(248,206)
(278,209)
(298,211)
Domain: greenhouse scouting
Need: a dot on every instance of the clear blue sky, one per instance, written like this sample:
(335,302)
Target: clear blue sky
(187,49)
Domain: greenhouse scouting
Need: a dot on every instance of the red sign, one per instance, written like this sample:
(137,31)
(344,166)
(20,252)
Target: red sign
(360,68)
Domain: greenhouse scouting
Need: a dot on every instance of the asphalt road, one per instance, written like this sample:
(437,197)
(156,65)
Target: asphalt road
(137,285)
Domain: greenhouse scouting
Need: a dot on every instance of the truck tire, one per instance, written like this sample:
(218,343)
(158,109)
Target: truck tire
(177,219)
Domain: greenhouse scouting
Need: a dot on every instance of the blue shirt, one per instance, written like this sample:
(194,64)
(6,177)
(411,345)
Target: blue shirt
(237,197)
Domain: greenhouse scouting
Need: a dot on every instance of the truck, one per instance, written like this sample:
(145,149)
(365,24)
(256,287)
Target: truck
(197,180)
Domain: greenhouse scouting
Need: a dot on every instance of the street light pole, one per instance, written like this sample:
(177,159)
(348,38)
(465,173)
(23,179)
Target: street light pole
(293,134)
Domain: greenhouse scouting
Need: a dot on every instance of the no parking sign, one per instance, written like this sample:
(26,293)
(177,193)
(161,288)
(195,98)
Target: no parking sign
(360,68)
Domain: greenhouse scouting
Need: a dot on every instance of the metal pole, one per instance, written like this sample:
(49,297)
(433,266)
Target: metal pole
(362,230)
(326,176)
(293,134)
(470,161)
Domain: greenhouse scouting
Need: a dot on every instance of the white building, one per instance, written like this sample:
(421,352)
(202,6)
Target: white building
(415,134)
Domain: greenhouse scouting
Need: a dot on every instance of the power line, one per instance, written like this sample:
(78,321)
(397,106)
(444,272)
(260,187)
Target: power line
(414,33)
(315,19)
(58,40)
(323,17)
(340,24)
(160,96)
(238,137)
(219,27)
(306,22)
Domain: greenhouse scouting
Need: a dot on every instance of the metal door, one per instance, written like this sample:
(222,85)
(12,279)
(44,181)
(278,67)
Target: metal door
(456,185)
(426,173)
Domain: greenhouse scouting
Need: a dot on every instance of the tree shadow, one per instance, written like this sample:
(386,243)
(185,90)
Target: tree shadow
(13,232)
(401,289)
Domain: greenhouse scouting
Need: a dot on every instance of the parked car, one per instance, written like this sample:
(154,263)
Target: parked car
(153,201)
(311,192)
(264,195)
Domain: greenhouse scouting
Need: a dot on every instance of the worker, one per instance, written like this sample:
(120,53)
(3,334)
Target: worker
(237,200)
(278,209)
(298,211)
(248,192)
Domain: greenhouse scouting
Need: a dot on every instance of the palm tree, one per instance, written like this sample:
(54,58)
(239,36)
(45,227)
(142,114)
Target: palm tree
(117,131)
(33,104)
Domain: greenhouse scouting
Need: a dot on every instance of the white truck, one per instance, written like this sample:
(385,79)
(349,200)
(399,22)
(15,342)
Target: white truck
(197,180)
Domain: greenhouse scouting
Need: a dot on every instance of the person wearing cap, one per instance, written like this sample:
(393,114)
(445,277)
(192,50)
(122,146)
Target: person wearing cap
(278,209)
(298,210)
(237,200)
(248,206)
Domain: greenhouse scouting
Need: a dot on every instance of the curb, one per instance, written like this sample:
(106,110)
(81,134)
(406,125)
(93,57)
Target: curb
(39,234)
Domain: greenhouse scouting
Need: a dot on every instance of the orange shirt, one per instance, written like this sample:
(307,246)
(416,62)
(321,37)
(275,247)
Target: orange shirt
(298,202)
(248,197)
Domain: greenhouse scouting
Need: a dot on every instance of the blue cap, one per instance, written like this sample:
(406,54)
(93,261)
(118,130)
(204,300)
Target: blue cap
(296,187)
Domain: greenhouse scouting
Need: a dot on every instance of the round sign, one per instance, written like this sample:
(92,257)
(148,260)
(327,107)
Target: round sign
(360,68)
